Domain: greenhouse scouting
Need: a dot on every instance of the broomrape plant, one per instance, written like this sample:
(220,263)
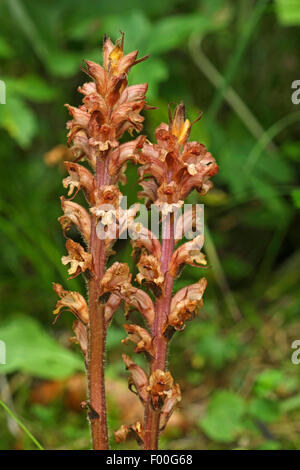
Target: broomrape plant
(169,170)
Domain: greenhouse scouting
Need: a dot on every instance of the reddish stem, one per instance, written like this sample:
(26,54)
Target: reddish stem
(162,309)
(97,330)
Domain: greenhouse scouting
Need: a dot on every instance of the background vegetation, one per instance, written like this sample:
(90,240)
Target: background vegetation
(236,61)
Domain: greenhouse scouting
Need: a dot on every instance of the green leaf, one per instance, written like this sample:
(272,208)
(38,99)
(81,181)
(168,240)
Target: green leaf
(264,410)
(296,197)
(267,381)
(32,87)
(290,404)
(64,64)
(30,349)
(223,419)
(18,119)
(288,12)
(173,31)
(153,72)
(6,51)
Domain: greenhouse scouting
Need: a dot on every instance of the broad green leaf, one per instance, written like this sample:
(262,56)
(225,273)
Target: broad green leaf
(264,410)
(267,381)
(173,31)
(153,72)
(30,349)
(296,197)
(288,12)
(6,52)
(31,87)
(290,404)
(223,419)
(64,64)
(18,119)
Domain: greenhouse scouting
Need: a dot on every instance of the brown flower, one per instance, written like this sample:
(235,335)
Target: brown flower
(58,154)
(139,300)
(109,108)
(117,279)
(74,214)
(140,337)
(80,336)
(119,157)
(176,167)
(188,253)
(122,433)
(114,301)
(185,305)
(160,387)
(138,378)
(79,259)
(144,238)
(80,178)
(149,269)
(72,301)
(169,406)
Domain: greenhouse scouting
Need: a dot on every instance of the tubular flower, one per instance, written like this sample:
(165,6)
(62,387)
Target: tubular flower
(185,305)
(119,157)
(188,253)
(140,337)
(160,387)
(114,301)
(79,259)
(79,178)
(137,378)
(117,279)
(81,337)
(144,238)
(176,166)
(74,214)
(115,276)
(72,301)
(109,107)
(149,269)
(169,406)
(122,433)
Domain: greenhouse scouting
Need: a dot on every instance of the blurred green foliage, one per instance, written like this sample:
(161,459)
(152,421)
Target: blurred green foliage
(236,61)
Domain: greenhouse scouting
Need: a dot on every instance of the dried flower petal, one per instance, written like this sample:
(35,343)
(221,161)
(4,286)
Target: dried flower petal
(72,301)
(140,337)
(188,253)
(179,126)
(144,238)
(115,277)
(149,269)
(121,155)
(79,259)
(109,108)
(160,387)
(169,406)
(58,154)
(111,306)
(138,378)
(121,433)
(80,336)
(74,214)
(185,305)
(139,300)
(80,178)
(177,166)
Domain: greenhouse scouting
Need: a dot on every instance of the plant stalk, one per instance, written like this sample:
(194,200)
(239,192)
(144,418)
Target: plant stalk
(162,309)
(97,329)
